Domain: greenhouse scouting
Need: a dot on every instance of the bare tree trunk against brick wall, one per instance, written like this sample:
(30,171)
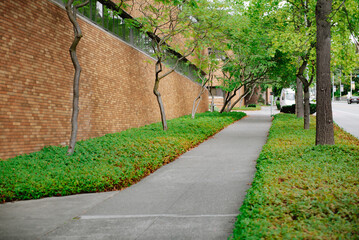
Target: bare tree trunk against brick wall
(158,94)
(71,13)
(324,129)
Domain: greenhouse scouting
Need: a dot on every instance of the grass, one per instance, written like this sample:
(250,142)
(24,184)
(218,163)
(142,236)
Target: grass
(258,107)
(111,162)
(302,191)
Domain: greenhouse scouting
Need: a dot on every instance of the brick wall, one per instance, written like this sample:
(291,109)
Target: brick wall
(36,76)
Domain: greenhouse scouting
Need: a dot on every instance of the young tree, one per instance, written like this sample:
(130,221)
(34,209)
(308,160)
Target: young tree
(171,27)
(251,58)
(72,7)
(71,13)
(296,35)
(306,82)
(213,17)
(237,75)
(206,80)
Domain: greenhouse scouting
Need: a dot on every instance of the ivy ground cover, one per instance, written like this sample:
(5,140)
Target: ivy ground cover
(302,191)
(107,163)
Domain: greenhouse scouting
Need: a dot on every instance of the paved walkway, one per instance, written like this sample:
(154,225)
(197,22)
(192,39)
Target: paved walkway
(195,197)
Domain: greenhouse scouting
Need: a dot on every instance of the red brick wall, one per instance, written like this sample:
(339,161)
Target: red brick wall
(36,76)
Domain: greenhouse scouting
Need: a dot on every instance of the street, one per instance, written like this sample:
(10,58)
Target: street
(347,117)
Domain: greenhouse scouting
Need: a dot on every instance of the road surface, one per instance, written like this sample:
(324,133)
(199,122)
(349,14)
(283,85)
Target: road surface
(347,117)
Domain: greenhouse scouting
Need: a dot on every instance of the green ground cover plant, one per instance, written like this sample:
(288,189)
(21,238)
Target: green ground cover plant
(253,107)
(302,191)
(111,162)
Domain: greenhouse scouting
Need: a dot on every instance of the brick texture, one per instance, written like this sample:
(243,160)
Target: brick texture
(36,76)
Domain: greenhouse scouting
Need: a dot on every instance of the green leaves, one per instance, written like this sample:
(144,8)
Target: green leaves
(111,162)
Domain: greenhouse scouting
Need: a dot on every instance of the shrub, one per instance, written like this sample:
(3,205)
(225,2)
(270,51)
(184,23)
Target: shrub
(301,191)
(288,109)
(313,108)
(110,162)
(278,104)
(252,105)
(291,109)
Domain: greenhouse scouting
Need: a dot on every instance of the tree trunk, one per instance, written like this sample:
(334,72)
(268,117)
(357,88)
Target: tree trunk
(158,94)
(324,128)
(299,107)
(212,102)
(241,97)
(160,104)
(228,108)
(250,96)
(306,108)
(198,99)
(196,103)
(71,13)
(227,100)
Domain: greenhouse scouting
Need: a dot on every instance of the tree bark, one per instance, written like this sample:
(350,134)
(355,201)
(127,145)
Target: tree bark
(158,95)
(71,13)
(227,100)
(306,108)
(324,121)
(299,99)
(241,97)
(306,84)
(195,105)
(212,102)
(198,99)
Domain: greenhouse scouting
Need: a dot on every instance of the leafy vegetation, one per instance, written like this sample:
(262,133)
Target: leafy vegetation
(301,191)
(111,162)
(291,108)
(250,107)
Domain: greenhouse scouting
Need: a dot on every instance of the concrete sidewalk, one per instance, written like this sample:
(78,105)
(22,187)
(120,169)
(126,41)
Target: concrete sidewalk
(195,197)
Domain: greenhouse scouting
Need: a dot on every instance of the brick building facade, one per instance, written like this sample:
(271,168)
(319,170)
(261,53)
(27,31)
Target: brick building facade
(36,76)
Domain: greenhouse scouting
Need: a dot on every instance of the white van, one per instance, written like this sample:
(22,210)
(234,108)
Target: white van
(287,97)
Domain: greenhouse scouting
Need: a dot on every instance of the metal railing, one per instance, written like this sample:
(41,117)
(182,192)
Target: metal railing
(115,23)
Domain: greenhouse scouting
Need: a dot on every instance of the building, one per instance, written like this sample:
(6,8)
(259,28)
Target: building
(116,83)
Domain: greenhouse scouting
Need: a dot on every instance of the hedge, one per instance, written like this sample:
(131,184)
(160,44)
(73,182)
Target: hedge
(291,109)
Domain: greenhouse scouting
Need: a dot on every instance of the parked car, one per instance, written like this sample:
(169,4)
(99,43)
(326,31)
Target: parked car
(287,97)
(352,99)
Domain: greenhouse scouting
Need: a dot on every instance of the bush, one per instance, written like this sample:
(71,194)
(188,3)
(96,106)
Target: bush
(291,109)
(278,104)
(313,108)
(302,191)
(252,105)
(288,109)
(110,162)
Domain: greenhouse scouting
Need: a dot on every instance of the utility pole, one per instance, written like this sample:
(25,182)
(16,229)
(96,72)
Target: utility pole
(340,86)
(333,89)
(351,84)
